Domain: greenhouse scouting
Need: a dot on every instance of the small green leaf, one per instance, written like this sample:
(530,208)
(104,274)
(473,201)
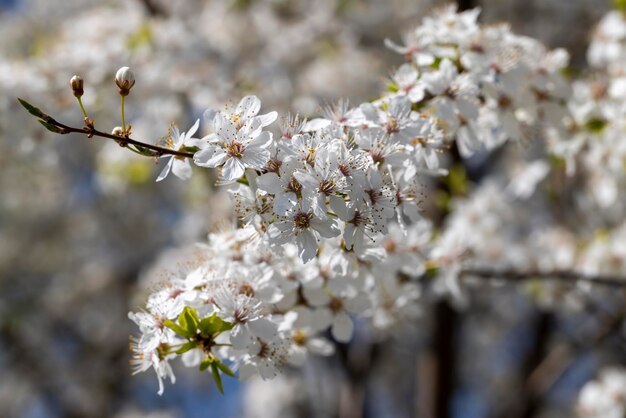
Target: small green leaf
(206,363)
(35,111)
(144,151)
(217,377)
(214,325)
(188,320)
(435,65)
(186,347)
(192,150)
(595,125)
(224,368)
(177,329)
(52,128)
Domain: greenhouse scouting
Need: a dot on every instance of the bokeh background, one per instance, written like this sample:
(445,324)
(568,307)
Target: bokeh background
(83,224)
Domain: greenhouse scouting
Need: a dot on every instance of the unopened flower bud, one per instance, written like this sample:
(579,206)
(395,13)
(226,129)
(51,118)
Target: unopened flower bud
(117,131)
(125,80)
(77,83)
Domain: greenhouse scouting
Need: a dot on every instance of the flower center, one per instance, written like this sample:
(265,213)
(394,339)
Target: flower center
(327,187)
(235,149)
(392,126)
(302,220)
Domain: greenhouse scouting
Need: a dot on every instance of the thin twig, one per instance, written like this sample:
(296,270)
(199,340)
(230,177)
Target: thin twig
(558,275)
(123,140)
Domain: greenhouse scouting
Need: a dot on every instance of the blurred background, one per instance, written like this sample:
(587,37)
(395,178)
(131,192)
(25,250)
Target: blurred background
(82,222)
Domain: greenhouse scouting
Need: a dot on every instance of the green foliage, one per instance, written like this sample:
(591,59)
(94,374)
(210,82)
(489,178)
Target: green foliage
(435,65)
(52,128)
(457,180)
(35,111)
(217,377)
(192,150)
(620,5)
(216,366)
(44,119)
(213,325)
(596,125)
(201,333)
(393,87)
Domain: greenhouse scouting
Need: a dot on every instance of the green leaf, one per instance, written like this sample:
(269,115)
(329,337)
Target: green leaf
(144,151)
(187,346)
(177,329)
(35,111)
(214,325)
(217,377)
(596,125)
(620,5)
(457,180)
(206,363)
(224,368)
(53,128)
(192,150)
(393,87)
(188,320)
(435,65)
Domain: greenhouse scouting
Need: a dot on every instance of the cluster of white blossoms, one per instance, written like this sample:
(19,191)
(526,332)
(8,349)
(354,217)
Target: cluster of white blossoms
(604,397)
(237,300)
(330,225)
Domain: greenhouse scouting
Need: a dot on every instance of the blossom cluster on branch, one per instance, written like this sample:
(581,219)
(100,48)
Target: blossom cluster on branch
(329,208)
(331,227)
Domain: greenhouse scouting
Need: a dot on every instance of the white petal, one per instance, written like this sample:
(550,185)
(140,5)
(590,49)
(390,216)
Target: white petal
(263,328)
(316,296)
(321,319)
(316,125)
(240,337)
(327,228)
(193,129)
(246,371)
(263,140)
(255,158)
(248,107)
(348,235)
(181,168)
(209,116)
(270,182)
(212,156)
(338,205)
(224,128)
(342,327)
(320,346)
(307,244)
(284,202)
(233,169)
(306,180)
(268,118)
(166,169)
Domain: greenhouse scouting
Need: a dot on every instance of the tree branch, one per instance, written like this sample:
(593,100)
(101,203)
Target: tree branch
(557,275)
(90,131)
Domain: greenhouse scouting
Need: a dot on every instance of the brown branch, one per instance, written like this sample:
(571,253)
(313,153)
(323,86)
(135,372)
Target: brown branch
(557,275)
(122,140)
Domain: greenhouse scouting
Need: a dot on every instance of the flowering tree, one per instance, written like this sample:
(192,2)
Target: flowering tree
(365,212)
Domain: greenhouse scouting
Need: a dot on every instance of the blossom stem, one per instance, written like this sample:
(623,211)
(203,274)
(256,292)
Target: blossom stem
(123,119)
(82,108)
